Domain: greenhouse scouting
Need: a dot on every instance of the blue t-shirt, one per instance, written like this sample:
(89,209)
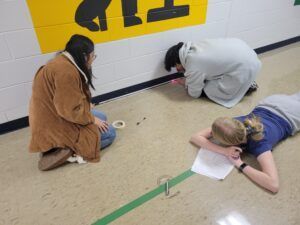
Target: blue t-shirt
(275,129)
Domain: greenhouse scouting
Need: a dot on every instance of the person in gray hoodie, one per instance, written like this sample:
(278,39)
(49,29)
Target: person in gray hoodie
(223,69)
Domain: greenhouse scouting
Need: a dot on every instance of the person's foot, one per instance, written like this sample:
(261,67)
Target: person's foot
(54,158)
(253,87)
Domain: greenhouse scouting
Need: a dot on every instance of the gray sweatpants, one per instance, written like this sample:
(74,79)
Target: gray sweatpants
(285,106)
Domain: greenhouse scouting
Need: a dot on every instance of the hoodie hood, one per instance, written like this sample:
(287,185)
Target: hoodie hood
(183,53)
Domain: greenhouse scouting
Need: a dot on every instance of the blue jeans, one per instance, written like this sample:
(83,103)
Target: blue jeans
(107,137)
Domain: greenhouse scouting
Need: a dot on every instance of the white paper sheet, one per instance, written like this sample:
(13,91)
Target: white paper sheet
(211,164)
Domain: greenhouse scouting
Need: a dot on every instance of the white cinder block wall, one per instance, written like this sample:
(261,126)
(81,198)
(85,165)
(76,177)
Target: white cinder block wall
(131,61)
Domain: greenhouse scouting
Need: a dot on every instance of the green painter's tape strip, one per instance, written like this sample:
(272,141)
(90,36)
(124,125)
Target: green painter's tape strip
(141,200)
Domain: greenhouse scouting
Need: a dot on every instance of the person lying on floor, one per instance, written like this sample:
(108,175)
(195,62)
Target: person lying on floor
(224,70)
(61,120)
(274,119)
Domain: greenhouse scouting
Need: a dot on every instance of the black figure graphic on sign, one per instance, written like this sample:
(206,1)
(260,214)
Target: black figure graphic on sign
(88,10)
(129,9)
(169,11)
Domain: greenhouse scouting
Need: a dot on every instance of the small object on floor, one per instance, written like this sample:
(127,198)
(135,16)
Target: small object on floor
(54,158)
(167,192)
(138,123)
(76,159)
(165,179)
(119,124)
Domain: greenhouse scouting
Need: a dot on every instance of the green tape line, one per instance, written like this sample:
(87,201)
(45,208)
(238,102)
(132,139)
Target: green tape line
(141,200)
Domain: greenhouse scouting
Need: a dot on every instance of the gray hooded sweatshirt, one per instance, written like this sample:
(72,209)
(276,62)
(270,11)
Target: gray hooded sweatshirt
(223,68)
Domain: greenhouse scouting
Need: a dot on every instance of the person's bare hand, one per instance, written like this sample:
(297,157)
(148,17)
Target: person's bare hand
(179,81)
(235,161)
(102,125)
(233,152)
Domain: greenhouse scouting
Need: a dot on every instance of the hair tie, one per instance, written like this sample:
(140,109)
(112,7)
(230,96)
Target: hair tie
(249,130)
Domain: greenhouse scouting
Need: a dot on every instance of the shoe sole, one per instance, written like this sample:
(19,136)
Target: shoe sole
(54,159)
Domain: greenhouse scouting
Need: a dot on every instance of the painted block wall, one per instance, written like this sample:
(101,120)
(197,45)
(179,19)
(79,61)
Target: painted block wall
(130,61)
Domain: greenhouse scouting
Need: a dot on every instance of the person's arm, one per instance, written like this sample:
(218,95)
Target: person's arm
(201,139)
(70,101)
(268,177)
(194,83)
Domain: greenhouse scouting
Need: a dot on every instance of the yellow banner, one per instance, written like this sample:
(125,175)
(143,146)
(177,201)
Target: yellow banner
(55,21)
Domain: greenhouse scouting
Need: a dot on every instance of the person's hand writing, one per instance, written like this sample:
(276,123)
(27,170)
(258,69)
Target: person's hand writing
(235,161)
(233,152)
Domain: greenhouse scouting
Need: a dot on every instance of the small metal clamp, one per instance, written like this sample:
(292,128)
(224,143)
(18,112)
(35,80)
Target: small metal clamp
(164,179)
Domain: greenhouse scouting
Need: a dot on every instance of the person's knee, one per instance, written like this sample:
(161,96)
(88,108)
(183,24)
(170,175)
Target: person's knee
(104,117)
(112,132)
(109,138)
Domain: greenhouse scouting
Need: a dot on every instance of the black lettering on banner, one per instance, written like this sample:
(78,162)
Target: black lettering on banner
(129,9)
(88,10)
(169,11)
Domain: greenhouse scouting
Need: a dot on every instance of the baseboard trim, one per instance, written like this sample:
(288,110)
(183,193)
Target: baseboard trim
(135,88)
(14,125)
(24,122)
(277,45)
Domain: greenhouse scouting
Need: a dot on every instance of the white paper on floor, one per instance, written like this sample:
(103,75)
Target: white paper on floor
(211,164)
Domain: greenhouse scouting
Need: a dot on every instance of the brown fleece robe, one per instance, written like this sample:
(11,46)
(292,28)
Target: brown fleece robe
(59,114)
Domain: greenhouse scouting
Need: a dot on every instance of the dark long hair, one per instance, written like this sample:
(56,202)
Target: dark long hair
(172,56)
(80,47)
